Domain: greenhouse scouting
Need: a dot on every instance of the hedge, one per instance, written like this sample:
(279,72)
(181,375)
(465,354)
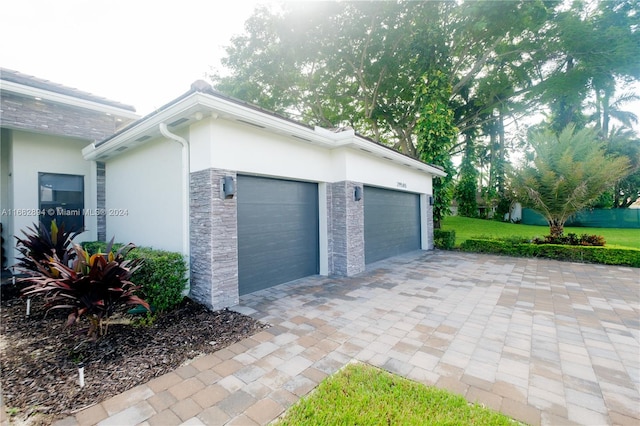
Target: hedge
(445,240)
(593,254)
(161,277)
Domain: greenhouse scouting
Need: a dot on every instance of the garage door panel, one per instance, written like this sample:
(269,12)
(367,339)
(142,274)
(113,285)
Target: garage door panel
(391,223)
(277,231)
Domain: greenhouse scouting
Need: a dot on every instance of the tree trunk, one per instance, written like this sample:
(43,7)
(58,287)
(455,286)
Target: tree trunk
(605,113)
(556,228)
(500,169)
(493,138)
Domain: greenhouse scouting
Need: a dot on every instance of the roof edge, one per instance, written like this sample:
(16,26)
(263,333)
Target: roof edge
(201,93)
(16,77)
(37,93)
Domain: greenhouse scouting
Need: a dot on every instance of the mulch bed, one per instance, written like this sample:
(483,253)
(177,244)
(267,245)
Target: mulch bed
(39,355)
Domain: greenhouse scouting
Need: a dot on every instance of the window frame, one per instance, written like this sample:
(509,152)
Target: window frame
(46,217)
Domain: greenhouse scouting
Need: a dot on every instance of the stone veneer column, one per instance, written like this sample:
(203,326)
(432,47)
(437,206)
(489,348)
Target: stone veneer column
(213,241)
(101,201)
(346,229)
(429,210)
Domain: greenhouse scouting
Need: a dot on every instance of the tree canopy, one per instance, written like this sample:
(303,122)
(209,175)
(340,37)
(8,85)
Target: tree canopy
(360,63)
(368,64)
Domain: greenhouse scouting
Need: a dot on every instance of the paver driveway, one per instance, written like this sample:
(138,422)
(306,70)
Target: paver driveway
(546,342)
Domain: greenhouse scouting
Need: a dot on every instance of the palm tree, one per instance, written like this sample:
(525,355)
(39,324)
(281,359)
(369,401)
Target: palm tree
(607,108)
(624,141)
(568,172)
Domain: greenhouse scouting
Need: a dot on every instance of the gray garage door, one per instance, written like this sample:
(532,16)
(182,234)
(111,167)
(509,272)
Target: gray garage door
(391,223)
(277,231)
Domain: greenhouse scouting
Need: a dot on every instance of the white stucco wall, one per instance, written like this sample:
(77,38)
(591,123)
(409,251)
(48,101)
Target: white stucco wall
(225,144)
(358,166)
(32,153)
(145,183)
(228,145)
(143,196)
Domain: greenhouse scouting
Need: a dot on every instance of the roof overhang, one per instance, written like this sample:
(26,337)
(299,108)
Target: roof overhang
(196,106)
(37,93)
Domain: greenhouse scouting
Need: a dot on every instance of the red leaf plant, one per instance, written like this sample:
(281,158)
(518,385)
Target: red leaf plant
(92,286)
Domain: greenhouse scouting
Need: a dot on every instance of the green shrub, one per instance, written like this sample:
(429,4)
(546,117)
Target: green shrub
(588,254)
(161,276)
(572,240)
(93,247)
(445,240)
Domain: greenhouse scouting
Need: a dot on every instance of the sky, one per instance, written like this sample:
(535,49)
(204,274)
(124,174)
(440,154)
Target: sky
(139,52)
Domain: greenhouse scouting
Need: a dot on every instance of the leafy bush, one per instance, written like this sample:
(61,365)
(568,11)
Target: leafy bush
(92,286)
(592,240)
(588,254)
(445,240)
(93,247)
(161,276)
(515,239)
(572,240)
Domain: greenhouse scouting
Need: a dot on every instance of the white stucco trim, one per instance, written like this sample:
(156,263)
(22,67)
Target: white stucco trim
(186,210)
(197,106)
(323,230)
(35,92)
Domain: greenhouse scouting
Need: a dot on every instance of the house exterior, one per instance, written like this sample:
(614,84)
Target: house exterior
(254,200)
(44,127)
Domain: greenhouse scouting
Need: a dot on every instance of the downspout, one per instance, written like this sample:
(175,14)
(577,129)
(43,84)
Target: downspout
(185,195)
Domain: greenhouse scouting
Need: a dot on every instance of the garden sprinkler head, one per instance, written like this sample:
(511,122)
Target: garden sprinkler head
(81,374)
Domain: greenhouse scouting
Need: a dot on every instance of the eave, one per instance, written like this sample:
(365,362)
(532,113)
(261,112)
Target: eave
(35,92)
(195,106)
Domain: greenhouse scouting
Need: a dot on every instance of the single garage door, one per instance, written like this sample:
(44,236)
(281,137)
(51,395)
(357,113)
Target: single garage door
(391,223)
(277,231)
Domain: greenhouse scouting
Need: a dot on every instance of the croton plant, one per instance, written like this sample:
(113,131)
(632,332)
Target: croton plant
(39,244)
(67,277)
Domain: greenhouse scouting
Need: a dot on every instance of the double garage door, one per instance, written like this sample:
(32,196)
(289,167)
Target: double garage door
(277,232)
(278,229)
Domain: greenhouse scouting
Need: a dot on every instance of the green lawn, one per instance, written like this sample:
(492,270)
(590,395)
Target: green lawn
(360,394)
(468,228)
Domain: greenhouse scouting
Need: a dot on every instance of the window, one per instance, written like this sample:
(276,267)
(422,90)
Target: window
(62,199)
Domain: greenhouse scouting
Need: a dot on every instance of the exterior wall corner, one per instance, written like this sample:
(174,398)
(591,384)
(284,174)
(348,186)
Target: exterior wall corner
(213,241)
(345,228)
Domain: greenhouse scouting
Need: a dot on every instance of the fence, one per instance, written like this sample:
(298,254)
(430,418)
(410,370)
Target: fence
(596,218)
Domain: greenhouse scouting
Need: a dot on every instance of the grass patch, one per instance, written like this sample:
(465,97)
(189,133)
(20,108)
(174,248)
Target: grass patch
(468,228)
(360,394)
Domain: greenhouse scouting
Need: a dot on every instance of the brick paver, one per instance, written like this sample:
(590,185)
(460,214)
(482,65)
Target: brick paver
(545,342)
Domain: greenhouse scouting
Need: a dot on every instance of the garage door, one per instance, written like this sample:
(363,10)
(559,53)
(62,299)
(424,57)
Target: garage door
(391,223)
(277,231)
